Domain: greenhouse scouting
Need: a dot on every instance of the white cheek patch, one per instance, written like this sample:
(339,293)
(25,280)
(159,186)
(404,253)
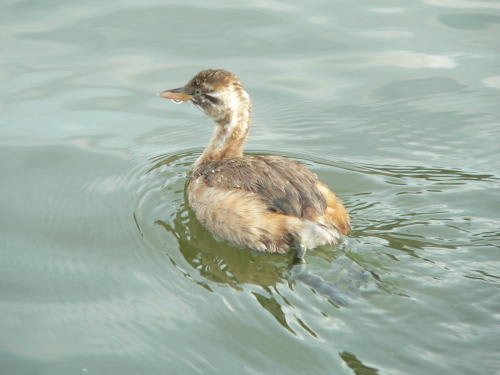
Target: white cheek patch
(227,102)
(231,101)
(245,94)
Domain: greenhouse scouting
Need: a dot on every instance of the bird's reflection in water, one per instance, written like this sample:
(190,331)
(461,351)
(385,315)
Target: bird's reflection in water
(220,262)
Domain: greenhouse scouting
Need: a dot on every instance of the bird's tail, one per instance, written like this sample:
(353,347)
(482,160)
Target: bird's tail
(312,234)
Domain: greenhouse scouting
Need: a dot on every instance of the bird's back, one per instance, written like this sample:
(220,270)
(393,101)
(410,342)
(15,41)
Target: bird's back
(283,185)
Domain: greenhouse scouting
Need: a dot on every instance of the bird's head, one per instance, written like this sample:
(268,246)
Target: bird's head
(217,92)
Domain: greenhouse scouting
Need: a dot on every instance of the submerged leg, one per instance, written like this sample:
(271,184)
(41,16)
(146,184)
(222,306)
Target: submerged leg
(300,252)
(337,296)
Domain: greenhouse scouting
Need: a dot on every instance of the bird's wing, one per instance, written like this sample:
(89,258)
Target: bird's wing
(283,185)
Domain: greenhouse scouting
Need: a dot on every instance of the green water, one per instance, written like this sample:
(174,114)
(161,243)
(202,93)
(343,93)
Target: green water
(103,270)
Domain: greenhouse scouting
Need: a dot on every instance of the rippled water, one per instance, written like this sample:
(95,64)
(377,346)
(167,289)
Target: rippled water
(104,270)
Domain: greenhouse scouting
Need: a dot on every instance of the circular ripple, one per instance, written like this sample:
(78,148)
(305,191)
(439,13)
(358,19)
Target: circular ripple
(166,224)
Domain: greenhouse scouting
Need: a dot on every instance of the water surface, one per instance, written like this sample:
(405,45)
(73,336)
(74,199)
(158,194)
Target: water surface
(105,270)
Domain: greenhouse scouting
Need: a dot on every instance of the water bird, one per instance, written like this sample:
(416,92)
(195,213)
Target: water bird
(266,203)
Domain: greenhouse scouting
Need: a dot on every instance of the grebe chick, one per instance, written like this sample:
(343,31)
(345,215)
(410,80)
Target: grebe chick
(265,203)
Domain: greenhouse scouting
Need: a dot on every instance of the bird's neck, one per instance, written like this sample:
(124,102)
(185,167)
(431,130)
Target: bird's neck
(229,137)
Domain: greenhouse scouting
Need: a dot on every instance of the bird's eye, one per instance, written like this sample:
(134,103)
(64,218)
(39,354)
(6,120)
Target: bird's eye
(197,91)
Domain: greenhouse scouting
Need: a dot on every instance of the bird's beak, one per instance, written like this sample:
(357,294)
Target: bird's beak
(176,94)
